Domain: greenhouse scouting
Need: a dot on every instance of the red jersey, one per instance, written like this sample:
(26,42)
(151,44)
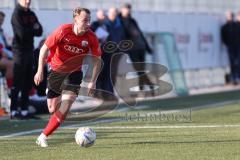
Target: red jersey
(67,48)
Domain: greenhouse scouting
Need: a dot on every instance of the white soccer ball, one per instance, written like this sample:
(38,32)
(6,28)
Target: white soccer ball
(85,137)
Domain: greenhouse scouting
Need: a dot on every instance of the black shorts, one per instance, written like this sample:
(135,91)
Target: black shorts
(57,82)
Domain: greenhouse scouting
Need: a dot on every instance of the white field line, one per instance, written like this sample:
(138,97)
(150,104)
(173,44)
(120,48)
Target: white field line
(69,126)
(162,127)
(140,127)
(21,133)
(125,127)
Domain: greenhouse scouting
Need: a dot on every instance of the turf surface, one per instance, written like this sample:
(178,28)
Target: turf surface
(212,140)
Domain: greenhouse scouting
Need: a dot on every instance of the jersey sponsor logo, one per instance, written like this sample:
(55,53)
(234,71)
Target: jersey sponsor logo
(73,49)
(84,43)
(66,39)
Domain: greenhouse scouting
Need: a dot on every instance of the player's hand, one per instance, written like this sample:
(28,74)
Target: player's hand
(38,78)
(91,86)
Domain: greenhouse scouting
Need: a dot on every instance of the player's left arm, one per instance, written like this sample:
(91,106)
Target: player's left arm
(96,70)
(96,60)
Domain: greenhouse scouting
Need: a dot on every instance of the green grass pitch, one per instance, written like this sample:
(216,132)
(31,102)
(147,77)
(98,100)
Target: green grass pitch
(210,132)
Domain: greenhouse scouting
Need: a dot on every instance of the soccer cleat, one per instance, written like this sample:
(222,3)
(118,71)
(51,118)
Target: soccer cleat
(42,141)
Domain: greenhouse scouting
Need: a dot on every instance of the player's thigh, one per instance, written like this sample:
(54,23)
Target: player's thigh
(72,82)
(52,102)
(55,83)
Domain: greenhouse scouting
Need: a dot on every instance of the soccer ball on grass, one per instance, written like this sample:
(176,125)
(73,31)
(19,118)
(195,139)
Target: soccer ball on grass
(85,137)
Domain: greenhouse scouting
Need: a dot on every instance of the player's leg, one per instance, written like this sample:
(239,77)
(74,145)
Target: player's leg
(53,92)
(57,118)
(68,97)
(53,100)
(53,104)
(60,114)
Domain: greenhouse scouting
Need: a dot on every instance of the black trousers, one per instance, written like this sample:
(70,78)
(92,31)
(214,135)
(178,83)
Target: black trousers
(104,81)
(234,59)
(22,78)
(139,56)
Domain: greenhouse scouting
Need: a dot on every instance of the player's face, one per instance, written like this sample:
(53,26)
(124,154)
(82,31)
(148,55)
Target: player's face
(82,22)
(25,3)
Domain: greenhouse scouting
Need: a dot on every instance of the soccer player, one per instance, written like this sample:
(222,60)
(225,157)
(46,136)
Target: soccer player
(68,44)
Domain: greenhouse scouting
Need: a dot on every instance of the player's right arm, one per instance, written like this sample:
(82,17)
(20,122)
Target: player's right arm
(49,44)
(41,63)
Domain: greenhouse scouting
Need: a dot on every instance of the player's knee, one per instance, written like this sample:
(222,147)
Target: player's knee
(53,105)
(51,109)
(70,96)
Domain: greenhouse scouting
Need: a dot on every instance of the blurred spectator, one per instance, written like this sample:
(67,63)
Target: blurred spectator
(231,38)
(99,27)
(114,26)
(6,48)
(115,34)
(6,65)
(41,88)
(140,45)
(25,26)
(238,28)
(2,36)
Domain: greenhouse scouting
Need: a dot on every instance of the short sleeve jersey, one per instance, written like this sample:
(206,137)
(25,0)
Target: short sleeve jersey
(67,47)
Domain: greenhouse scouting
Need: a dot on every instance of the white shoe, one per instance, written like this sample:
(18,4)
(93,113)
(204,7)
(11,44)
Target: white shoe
(42,141)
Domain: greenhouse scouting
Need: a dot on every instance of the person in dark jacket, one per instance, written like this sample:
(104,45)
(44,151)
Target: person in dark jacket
(115,34)
(99,27)
(25,26)
(238,29)
(140,45)
(231,38)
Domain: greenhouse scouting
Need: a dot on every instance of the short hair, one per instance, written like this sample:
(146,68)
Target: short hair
(77,11)
(127,5)
(2,14)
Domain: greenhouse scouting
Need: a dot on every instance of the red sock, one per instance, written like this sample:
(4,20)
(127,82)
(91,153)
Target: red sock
(56,119)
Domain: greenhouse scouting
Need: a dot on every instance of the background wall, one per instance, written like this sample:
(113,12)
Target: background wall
(193,27)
